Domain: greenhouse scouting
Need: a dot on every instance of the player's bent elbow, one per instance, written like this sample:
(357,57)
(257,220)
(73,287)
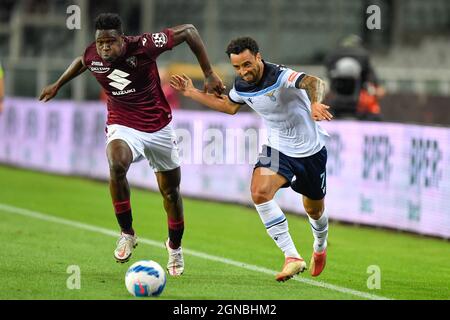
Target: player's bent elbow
(190,30)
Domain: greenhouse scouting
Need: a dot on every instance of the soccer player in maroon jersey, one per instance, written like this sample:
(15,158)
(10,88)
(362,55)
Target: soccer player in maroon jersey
(138,124)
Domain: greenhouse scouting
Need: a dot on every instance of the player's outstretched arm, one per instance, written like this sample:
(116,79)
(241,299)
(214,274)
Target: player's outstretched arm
(219,103)
(315,88)
(188,33)
(76,68)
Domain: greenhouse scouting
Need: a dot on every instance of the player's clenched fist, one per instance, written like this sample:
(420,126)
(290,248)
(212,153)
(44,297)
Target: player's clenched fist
(214,84)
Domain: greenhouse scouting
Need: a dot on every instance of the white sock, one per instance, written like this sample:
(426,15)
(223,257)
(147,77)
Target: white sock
(277,227)
(320,232)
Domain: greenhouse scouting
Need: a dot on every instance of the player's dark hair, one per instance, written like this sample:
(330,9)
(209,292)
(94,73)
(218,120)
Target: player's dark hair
(109,21)
(241,44)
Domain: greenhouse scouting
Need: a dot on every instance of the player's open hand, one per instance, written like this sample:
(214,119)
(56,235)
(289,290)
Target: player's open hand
(181,83)
(213,84)
(320,112)
(48,92)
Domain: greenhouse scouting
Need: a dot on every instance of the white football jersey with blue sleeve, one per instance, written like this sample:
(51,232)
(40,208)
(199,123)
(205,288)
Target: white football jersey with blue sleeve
(286,110)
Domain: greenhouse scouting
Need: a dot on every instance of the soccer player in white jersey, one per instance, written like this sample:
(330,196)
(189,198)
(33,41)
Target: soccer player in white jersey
(290,104)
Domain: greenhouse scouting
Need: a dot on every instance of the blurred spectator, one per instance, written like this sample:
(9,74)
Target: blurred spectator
(2,88)
(354,86)
(171,94)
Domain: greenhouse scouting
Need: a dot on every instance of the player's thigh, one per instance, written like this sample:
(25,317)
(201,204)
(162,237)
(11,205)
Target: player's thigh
(266,181)
(119,154)
(310,175)
(123,144)
(161,150)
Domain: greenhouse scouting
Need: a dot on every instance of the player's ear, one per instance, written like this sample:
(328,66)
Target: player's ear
(122,40)
(258,57)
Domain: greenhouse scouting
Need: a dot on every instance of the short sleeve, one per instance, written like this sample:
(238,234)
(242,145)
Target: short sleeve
(292,78)
(1,71)
(156,43)
(234,97)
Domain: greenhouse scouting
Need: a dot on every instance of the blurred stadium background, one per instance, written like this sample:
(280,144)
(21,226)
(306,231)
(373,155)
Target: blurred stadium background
(397,169)
(410,53)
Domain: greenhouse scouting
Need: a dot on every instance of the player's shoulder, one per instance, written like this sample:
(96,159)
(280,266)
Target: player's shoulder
(135,44)
(271,77)
(150,40)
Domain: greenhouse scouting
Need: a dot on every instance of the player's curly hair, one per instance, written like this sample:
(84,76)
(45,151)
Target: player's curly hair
(109,21)
(241,44)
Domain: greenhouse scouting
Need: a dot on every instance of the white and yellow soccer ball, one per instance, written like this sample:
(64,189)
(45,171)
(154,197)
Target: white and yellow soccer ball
(145,278)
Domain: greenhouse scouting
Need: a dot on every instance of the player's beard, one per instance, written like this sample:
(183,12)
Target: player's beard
(256,74)
(250,79)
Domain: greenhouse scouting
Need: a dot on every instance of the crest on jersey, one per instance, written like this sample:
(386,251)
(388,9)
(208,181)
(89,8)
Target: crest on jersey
(271,96)
(132,61)
(159,39)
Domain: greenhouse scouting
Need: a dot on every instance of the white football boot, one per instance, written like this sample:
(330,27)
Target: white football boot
(125,246)
(175,266)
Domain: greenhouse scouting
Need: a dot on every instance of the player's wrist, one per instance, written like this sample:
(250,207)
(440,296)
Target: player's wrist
(208,73)
(57,85)
(189,92)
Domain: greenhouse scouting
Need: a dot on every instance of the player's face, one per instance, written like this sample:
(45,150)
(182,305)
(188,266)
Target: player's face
(109,44)
(247,65)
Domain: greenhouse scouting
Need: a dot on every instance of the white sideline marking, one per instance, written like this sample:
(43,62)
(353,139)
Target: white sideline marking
(84,226)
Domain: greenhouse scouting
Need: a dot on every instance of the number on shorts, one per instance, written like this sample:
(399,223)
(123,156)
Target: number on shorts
(322,186)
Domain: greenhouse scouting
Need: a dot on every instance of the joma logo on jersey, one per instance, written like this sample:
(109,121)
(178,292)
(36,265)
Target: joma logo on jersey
(119,81)
(97,67)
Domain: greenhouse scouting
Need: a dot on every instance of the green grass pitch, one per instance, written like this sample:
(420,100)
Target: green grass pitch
(228,254)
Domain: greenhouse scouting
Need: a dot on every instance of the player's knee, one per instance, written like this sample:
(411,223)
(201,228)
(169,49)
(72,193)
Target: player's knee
(314,212)
(261,194)
(117,169)
(171,195)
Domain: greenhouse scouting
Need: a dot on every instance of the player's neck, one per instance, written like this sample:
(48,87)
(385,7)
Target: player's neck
(261,72)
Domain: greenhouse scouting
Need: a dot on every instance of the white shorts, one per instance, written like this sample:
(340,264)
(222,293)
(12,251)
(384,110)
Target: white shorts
(159,148)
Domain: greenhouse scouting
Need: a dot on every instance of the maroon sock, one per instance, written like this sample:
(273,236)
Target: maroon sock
(123,215)
(176,229)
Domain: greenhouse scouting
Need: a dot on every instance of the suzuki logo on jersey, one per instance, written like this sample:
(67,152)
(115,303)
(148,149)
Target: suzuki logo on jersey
(118,77)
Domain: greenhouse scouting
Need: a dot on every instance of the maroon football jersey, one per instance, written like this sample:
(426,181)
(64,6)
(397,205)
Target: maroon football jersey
(131,82)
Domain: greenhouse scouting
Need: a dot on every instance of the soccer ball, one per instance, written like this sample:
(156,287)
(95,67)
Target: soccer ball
(145,278)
